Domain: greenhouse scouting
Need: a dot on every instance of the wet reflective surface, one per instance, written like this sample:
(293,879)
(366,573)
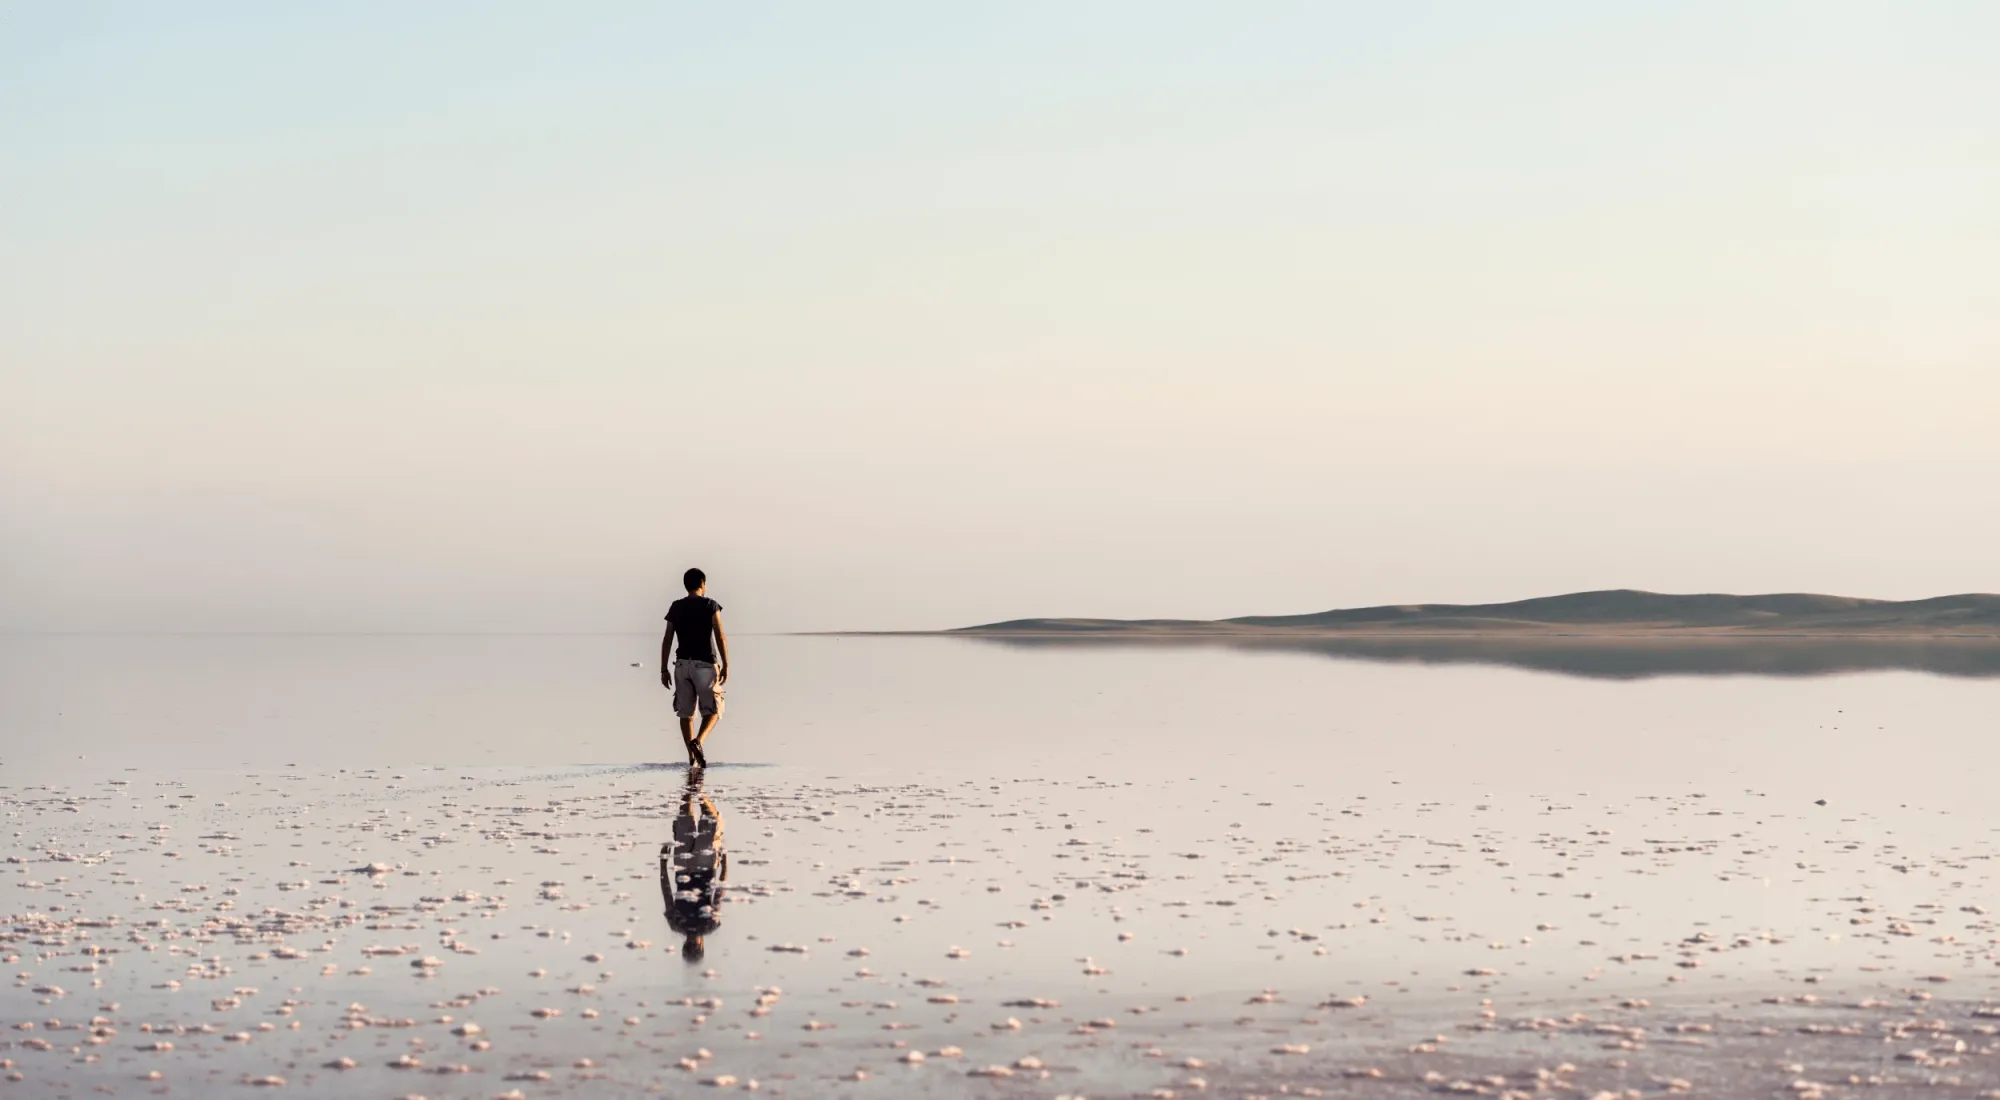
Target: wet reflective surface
(1608,658)
(959,869)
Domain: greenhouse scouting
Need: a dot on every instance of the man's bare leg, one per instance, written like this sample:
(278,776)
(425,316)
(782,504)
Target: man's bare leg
(707,727)
(693,745)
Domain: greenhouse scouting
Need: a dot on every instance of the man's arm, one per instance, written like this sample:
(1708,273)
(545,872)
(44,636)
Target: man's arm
(721,652)
(666,658)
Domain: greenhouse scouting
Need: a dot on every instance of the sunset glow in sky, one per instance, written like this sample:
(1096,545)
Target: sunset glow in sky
(496,316)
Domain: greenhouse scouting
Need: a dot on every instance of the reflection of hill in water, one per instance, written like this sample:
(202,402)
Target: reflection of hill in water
(1613,611)
(1607,658)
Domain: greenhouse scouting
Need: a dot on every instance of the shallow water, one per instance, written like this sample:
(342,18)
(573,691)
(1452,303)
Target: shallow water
(1087,866)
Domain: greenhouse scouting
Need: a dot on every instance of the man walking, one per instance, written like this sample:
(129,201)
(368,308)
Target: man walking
(695,676)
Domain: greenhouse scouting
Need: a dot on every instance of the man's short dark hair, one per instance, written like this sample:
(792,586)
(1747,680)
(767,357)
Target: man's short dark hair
(693,579)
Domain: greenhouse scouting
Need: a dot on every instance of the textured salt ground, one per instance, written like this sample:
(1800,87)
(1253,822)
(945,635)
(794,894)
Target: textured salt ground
(1079,937)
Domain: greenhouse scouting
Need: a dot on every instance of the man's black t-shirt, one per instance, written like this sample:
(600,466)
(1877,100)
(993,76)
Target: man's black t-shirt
(693,620)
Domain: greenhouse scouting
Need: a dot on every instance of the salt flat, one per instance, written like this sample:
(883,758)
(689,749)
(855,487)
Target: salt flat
(1382,882)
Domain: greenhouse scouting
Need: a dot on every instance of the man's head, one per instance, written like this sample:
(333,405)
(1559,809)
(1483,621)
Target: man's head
(691,950)
(694,580)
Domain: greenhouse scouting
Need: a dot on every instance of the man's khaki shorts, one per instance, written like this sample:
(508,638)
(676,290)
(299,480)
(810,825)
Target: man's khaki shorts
(694,683)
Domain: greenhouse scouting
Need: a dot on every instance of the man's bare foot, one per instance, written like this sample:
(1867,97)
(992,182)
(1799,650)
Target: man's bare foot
(698,759)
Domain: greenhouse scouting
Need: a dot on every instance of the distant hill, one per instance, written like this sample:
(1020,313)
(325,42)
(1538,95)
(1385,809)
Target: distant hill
(1620,611)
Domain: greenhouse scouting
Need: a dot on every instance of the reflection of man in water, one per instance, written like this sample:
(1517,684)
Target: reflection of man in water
(693,868)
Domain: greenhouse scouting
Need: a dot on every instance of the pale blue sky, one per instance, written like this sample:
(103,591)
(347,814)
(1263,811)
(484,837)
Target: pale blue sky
(492,316)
